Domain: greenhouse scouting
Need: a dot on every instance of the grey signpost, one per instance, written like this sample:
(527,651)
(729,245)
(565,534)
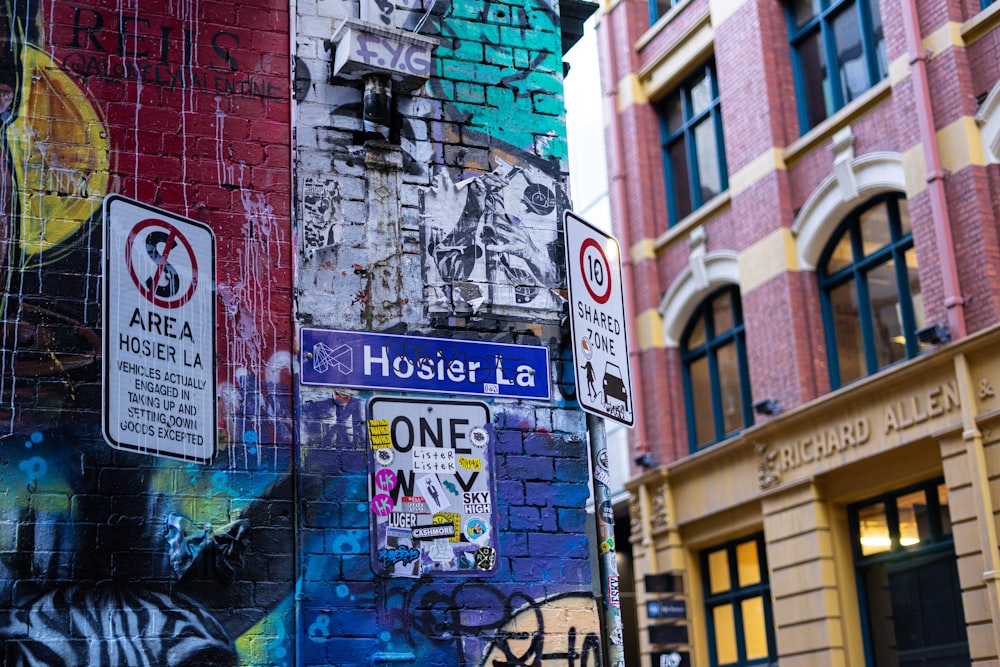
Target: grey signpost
(600,354)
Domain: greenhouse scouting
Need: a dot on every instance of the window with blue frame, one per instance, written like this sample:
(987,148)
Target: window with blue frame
(838,52)
(658,8)
(694,158)
(987,3)
(908,585)
(738,604)
(716,379)
(870,292)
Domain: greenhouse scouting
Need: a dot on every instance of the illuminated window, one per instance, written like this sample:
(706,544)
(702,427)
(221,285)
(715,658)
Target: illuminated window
(738,603)
(838,52)
(716,379)
(908,578)
(902,520)
(870,291)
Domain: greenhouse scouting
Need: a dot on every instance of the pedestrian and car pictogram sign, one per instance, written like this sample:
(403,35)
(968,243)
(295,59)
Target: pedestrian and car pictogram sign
(159,332)
(597,321)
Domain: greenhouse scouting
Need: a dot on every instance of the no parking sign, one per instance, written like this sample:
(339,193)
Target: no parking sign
(597,320)
(159,332)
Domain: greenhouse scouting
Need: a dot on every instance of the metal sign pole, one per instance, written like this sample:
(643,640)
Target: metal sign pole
(612,615)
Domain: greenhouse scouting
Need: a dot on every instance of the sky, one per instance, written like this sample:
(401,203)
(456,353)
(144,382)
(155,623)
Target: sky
(585,131)
(588,183)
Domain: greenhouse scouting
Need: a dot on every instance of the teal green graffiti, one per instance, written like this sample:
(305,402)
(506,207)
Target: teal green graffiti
(505,75)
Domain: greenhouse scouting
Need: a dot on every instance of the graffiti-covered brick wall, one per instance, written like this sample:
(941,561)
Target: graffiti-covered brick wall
(170,540)
(442,458)
(285,370)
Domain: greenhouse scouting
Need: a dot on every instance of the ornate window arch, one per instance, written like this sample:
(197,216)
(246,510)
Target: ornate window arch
(869,290)
(853,182)
(705,274)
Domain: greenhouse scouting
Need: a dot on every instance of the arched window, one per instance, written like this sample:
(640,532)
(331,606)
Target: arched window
(870,292)
(716,380)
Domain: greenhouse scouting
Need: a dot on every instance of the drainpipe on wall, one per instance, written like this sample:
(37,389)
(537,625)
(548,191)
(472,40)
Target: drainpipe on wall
(618,178)
(953,300)
(377,105)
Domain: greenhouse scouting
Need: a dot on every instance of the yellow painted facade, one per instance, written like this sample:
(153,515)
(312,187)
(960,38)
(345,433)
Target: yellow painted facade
(793,478)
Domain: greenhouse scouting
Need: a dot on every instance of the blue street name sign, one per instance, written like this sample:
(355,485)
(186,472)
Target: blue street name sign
(423,364)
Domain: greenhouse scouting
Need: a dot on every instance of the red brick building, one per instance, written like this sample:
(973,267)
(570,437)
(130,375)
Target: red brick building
(806,193)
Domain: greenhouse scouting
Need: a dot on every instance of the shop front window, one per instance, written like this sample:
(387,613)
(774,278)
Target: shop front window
(738,603)
(909,590)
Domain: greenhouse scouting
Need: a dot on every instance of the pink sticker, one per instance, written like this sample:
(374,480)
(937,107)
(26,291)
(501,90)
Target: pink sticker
(385,480)
(382,505)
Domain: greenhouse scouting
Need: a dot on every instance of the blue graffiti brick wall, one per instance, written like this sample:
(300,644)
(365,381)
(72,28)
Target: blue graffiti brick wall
(114,556)
(422,199)
(436,216)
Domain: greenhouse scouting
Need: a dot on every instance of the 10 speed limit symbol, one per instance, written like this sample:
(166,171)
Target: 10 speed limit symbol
(597,320)
(596,270)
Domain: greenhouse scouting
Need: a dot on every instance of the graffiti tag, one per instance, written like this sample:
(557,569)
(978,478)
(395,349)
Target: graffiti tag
(397,56)
(389,557)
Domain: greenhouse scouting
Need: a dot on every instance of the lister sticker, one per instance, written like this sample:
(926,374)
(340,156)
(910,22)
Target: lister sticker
(433,459)
(432,487)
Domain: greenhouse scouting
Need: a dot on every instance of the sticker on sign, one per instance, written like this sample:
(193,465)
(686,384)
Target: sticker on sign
(159,332)
(597,321)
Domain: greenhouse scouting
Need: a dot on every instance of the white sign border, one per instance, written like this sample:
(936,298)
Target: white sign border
(617,273)
(210,431)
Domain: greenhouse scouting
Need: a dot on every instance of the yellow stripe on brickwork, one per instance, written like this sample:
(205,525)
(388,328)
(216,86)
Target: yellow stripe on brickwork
(608,5)
(649,330)
(641,251)
(771,160)
(942,39)
(960,145)
(630,91)
(914,170)
(770,257)
(723,9)
(899,70)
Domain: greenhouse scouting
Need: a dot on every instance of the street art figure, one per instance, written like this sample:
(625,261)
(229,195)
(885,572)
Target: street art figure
(498,254)
(588,368)
(321,204)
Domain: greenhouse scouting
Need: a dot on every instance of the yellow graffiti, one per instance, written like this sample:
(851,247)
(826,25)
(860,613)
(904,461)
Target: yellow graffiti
(378,433)
(470,463)
(60,152)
